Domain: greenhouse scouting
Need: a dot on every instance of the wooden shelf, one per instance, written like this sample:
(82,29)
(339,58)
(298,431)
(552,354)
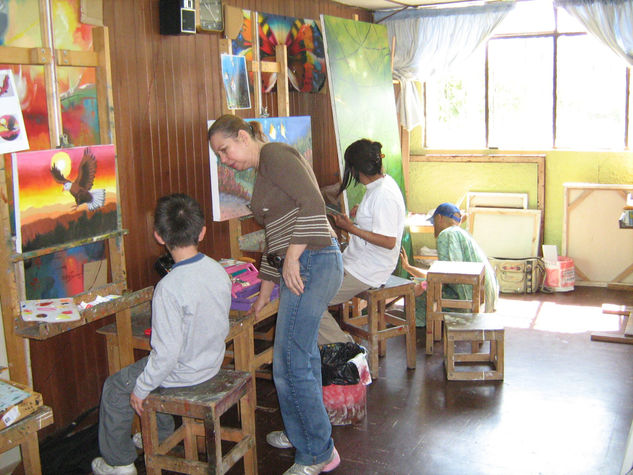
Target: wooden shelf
(43,331)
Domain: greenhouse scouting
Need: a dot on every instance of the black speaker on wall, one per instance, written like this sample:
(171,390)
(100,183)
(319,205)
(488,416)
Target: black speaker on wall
(177,17)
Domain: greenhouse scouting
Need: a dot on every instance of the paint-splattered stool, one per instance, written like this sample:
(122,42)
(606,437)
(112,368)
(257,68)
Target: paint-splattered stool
(473,328)
(201,407)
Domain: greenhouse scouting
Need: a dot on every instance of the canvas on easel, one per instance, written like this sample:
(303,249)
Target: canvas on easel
(359,67)
(231,190)
(63,195)
(235,81)
(302,37)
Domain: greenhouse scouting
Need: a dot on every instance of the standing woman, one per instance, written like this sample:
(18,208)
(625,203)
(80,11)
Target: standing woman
(301,248)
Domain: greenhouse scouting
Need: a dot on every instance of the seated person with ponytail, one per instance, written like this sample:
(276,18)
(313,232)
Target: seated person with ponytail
(374,238)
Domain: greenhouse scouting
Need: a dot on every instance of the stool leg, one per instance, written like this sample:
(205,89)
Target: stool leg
(372,325)
(247,408)
(430,310)
(150,440)
(409,308)
(382,324)
(500,344)
(437,323)
(214,442)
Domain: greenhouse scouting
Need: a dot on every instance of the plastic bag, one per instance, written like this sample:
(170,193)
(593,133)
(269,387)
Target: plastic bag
(336,367)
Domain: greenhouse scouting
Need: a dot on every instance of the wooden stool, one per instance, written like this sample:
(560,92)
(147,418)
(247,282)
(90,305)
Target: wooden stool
(24,434)
(470,327)
(200,407)
(378,318)
(449,272)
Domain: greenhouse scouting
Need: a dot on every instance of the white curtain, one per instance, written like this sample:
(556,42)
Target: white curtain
(609,20)
(429,41)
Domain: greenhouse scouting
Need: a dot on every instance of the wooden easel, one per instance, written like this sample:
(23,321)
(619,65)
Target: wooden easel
(12,280)
(280,66)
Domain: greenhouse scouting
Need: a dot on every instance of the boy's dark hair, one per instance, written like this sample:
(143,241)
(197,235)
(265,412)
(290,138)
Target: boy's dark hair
(178,220)
(363,156)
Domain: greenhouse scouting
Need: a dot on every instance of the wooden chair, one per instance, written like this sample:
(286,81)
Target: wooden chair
(473,328)
(380,324)
(447,272)
(201,407)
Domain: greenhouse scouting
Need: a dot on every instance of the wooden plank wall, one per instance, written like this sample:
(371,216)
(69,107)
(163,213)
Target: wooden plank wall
(165,88)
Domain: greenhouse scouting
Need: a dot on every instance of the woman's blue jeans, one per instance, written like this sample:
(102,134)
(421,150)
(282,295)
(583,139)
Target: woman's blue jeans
(297,361)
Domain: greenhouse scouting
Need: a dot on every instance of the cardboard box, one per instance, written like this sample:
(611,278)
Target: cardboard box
(16,401)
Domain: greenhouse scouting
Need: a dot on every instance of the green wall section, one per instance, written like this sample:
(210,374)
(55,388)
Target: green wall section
(434,183)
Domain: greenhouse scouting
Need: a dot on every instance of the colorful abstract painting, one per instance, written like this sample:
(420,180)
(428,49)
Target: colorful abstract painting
(361,89)
(20,26)
(13,136)
(231,190)
(304,42)
(61,274)
(63,195)
(76,87)
(235,79)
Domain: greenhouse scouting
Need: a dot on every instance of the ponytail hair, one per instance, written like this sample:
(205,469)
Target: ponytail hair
(363,156)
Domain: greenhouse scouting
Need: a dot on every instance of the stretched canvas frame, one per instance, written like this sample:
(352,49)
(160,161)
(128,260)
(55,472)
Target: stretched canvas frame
(506,233)
(602,252)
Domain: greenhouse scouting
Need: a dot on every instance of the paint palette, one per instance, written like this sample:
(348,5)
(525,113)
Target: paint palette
(49,310)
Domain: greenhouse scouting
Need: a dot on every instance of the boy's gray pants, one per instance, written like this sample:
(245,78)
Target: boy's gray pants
(116,416)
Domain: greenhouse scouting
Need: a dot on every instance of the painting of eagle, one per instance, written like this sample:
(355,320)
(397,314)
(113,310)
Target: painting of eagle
(81,188)
(64,195)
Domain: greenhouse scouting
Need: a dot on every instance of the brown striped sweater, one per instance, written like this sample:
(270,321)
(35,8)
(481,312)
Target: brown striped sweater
(288,204)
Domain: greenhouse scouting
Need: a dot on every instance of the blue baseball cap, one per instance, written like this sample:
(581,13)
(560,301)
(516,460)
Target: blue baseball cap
(449,210)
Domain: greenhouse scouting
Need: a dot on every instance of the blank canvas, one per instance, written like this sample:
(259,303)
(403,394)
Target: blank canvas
(506,233)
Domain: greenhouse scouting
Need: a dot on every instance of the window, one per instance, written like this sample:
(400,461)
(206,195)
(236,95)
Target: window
(541,82)
(455,107)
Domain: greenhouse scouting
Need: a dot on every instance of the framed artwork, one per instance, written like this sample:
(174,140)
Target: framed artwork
(231,190)
(63,195)
(235,79)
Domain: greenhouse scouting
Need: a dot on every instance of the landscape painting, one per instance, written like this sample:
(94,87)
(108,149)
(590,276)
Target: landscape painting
(61,274)
(63,195)
(359,66)
(235,79)
(231,190)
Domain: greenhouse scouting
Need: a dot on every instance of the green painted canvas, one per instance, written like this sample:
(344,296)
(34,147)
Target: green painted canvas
(361,88)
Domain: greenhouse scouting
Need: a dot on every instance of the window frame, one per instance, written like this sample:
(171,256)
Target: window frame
(555,35)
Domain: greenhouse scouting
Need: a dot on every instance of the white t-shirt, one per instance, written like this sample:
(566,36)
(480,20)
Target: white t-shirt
(381,211)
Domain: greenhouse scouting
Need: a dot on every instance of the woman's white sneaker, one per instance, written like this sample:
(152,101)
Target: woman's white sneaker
(279,439)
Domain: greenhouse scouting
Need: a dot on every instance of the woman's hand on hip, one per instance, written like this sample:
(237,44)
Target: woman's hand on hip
(291,271)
